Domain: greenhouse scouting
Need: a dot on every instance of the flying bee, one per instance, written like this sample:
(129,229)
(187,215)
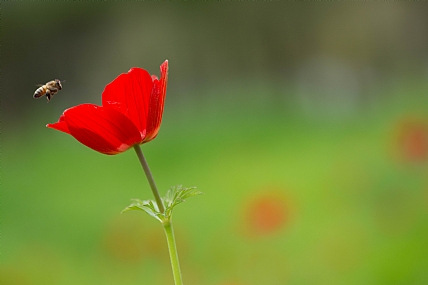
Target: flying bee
(49,89)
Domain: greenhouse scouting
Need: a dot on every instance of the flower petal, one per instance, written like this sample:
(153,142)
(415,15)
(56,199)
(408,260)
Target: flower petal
(156,104)
(61,125)
(103,129)
(130,93)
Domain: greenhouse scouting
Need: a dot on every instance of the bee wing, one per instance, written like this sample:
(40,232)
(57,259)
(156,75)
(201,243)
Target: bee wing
(39,85)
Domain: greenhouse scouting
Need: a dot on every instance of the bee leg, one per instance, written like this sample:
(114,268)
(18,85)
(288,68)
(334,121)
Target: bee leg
(48,96)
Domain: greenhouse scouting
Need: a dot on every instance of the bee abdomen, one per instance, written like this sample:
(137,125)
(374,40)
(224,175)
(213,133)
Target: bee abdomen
(39,92)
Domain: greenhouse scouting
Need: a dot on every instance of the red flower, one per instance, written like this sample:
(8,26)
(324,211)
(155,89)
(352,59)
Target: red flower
(131,113)
(267,213)
(413,140)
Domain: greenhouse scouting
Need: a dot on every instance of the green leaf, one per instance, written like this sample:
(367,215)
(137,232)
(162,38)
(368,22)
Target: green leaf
(177,195)
(174,196)
(148,206)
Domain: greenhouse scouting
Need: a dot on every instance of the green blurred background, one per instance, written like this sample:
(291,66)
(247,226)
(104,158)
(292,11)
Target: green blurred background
(305,125)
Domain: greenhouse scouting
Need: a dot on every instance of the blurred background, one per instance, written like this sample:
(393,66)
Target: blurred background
(305,125)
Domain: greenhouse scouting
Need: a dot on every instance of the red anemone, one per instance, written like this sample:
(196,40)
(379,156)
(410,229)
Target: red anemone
(131,113)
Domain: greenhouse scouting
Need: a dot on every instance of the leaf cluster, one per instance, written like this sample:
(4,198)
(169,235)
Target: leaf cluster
(174,196)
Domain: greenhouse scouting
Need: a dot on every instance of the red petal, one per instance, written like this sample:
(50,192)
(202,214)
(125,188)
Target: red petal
(130,93)
(61,125)
(103,129)
(157,100)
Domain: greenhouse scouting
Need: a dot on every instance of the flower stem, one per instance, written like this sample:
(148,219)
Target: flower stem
(149,178)
(173,255)
(167,223)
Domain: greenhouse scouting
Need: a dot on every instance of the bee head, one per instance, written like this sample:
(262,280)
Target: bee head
(58,84)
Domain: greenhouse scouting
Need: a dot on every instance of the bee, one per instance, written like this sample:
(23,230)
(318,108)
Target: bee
(49,89)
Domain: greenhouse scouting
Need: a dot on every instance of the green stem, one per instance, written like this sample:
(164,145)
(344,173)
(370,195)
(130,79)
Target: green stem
(173,255)
(149,178)
(167,223)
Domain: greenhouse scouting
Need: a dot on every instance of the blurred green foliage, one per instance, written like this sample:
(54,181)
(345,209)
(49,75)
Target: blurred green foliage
(355,210)
(305,125)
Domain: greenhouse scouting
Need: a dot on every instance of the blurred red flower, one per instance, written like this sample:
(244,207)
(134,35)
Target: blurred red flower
(413,140)
(131,113)
(266,213)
